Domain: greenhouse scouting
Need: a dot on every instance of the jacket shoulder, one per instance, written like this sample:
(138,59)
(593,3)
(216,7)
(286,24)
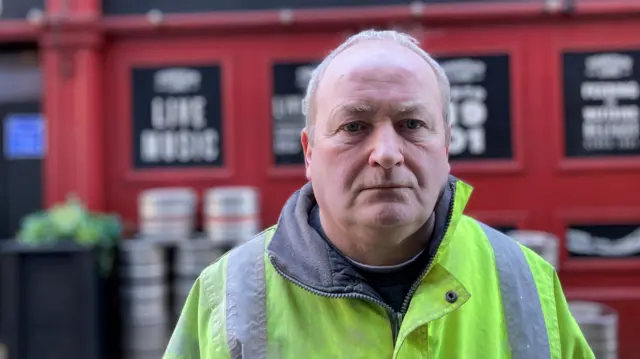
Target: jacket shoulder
(565,337)
(213,277)
(483,230)
(200,328)
(479,236)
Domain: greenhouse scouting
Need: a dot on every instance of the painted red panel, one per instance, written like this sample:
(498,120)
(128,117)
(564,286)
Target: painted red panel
(124,182)
(601,189)
(624,300)
(588,191)
(73,108)
(539,189)
(498,196)
(278,182)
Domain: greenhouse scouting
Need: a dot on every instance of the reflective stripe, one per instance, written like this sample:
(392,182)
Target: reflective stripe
(526,328)
(246,317)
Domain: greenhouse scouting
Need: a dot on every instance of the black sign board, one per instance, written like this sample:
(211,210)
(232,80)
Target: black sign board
(480,109)
(113,7)
(602,103)
(177,117)
(610,240)
(18,9)
(289,85)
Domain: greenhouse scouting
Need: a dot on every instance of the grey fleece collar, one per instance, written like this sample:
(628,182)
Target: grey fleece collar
(299,253)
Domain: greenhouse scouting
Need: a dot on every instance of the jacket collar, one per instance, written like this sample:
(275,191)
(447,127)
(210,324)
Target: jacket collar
(299,253)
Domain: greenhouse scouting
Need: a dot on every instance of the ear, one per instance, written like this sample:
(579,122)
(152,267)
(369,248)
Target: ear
(447,143)
(447,138)
(306,148)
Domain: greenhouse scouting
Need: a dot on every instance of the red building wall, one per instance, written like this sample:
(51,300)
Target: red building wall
(87,61)
(538,189)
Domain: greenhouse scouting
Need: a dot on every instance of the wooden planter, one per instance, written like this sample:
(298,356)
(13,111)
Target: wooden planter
(55,303)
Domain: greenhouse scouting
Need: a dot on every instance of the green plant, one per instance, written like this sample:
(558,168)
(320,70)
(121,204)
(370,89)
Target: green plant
(72,221)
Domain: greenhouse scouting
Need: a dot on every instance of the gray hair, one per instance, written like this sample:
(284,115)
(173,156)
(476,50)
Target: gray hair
(398,37)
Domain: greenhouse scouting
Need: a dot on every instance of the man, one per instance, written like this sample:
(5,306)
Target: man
(374,257)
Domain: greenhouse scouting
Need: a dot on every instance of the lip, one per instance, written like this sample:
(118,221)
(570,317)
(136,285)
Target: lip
(379,188)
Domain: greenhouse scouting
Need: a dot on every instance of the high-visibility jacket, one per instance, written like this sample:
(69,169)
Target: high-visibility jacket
(284,295)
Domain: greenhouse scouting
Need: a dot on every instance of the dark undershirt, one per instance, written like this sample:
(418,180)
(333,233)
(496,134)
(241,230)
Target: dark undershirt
(392,283)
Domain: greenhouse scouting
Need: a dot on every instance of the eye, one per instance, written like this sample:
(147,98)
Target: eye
(413,124)
(352,127)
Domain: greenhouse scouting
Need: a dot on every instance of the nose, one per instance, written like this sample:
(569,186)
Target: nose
(386,150)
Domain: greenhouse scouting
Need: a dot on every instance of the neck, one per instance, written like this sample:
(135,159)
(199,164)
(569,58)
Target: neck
(379,247)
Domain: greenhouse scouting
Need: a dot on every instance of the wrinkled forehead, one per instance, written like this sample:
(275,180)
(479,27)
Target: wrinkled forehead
(399,76)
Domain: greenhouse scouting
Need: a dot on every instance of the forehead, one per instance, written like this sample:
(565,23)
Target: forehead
(378,73)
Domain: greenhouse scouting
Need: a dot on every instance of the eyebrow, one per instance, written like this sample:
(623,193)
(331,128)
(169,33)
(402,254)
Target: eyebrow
(411,108)
(363,109)
(357,110)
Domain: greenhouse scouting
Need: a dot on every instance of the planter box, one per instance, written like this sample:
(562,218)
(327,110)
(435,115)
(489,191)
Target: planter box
(54,303)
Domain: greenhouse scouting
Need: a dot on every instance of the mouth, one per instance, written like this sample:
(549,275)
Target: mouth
(383,188)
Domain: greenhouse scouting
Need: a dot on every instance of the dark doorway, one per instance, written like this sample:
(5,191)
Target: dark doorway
(21,139)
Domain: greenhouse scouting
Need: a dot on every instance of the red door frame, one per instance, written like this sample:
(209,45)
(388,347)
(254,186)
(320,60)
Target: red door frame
(278,182)
(498,197)
(541,174)
(124,182)
(590,191)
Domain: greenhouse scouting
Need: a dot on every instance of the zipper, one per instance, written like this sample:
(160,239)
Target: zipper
(396,322)
(416,284)
(394,317)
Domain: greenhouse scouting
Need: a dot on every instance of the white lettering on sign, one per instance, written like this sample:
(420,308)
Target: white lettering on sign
(606,90)
(178,112)
(607,66)
(465,70)
(468,114)
(611,125)
(286,110)
(158,146)
(303,76)
(179,132)
(582,242)
(468,111)
(288,123)
(177,80)
(283,106)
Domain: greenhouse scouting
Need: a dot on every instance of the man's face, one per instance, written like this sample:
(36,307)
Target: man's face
(378,156)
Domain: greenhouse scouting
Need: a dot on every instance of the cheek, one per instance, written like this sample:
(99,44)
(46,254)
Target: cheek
(326,178)
(430,163)
(330,180)
(340,166)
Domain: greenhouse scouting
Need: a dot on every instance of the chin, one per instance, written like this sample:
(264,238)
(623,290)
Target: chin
(388,216)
